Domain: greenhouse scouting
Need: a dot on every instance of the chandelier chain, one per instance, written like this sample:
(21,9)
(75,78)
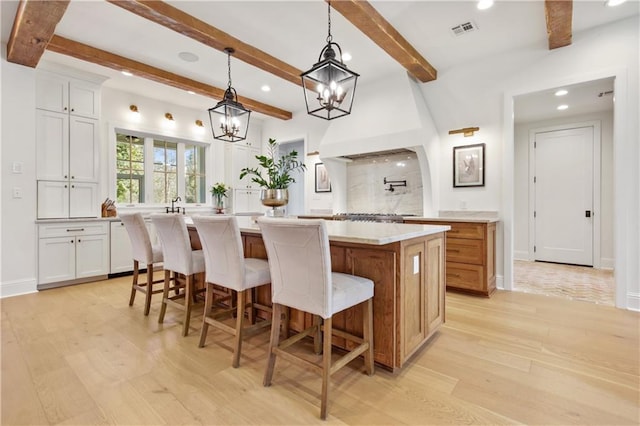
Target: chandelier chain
(329,37)
(229,67)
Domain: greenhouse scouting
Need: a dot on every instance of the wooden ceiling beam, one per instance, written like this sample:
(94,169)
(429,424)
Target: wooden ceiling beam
(33,27)
(110,60)
(170,17)
(558,14)
(367,19)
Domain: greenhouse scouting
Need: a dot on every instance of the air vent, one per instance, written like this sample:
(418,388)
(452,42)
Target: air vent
(465,28)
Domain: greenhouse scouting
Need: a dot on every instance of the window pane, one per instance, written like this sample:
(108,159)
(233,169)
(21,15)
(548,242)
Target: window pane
(130,156)
(195,178)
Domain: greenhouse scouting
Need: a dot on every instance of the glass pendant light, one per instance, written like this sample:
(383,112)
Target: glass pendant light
(229,118)
(329,86)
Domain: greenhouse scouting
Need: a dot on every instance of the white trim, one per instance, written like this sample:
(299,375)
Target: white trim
(18,287)
(607,263)
(500,282)
(521,255)
(633,301)
(596,126)
(623,166)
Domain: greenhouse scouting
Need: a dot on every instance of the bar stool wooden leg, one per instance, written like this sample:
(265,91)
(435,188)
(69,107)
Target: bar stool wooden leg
(208,303)
(165,296)
(134,284)
(317,334)
(188,303)
(367,334)
(326,368)
(149,288)
(242,295)
(249,299)
(273,343)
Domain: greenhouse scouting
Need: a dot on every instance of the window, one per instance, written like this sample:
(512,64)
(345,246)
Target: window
(154,170)
(165,171)
(130,169)
(195,179)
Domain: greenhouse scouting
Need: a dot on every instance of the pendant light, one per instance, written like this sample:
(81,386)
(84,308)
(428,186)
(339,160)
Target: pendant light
(329,86)
(229,118)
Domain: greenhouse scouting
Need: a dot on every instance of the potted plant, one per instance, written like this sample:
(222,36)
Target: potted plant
(278,174)
(219,191)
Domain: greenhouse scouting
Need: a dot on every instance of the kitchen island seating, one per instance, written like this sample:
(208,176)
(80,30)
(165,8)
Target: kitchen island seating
(301,278)
(179,258)
(227,267)
(142,252)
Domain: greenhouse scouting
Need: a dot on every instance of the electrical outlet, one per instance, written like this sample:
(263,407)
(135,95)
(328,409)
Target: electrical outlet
(17,192)
(463,204)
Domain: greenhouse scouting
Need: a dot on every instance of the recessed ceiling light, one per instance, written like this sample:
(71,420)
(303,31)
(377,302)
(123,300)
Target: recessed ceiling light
(485,4)
(562,107)
(191,92)
(188,56)
(561,92)
(127,73)
(612,3)
(346,56)
(265,88)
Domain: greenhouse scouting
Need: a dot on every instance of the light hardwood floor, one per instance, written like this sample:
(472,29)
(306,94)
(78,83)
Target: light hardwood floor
(80,355)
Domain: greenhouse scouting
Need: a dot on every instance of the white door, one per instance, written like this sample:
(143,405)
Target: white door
(121,259)
(56,259)
(564,196)
(53,199)
(52,145)
(92,255)
(83,199)
(84,149)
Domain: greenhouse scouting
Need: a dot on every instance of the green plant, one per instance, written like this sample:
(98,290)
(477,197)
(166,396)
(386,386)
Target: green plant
(278,170)
(219,190)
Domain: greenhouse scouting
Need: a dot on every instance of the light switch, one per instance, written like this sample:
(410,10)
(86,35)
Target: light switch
(17,192)
(416,264)
(16,167)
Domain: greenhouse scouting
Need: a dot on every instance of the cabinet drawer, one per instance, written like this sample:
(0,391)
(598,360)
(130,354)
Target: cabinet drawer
(73,228)
(466,230)
(468,277)
(465,251)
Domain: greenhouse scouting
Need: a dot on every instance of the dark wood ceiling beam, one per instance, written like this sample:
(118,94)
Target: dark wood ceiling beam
(91,54)
(367,19)
(170,17)
(559,22)
(33,27)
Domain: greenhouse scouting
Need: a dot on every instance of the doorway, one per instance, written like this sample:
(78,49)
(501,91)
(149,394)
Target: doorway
(559,195)
(295,206)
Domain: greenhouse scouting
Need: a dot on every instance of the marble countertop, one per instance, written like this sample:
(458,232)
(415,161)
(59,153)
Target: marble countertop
(360,232)
(453,219)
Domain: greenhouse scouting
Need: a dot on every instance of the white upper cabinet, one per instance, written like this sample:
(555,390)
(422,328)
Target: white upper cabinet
(84,149)
(67,95)
(52,145)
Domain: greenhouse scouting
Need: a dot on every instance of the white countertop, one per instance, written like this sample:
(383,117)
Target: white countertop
(360,232)
(453,219)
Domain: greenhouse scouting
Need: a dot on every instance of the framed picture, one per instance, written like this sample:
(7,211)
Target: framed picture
(323,184)
(468,165)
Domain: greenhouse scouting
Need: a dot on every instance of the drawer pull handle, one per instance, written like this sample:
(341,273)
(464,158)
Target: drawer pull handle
(75,230)
(453,250)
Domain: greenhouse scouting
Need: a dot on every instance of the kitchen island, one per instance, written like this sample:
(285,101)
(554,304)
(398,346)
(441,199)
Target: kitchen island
(407,265)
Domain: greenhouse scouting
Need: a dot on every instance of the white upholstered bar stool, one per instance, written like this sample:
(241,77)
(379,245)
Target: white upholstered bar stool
(227,267)
(179,258)
(143,252)
(301,278)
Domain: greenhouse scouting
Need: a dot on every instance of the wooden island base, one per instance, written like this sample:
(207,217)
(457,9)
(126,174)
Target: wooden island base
(409,292)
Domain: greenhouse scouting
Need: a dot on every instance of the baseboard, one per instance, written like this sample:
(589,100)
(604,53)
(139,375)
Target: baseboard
(17,288)
(500,282)
(520,255)
(606,263)
(633,302)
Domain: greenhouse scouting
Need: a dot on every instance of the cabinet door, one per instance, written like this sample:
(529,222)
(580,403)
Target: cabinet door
(435,283)
(120,249)
(56,259)
(52,145)
(52,93)
(53,199)
(252,162)
(240,201)
(92,255)
(414,298)
(84,99)
(83,199)
(84,149)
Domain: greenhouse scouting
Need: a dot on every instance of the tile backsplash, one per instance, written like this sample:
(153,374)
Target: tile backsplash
(367,192)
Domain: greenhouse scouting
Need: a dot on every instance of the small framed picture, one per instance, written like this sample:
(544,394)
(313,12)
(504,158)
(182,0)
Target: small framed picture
(468,165)
(323,184)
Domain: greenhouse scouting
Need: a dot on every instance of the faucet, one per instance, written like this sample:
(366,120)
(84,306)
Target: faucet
(175,209)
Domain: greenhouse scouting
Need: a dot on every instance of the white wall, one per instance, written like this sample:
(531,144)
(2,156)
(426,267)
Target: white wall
(18,228)
(522,218)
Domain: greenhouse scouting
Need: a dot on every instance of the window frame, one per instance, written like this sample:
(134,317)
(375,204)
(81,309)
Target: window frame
(149,137)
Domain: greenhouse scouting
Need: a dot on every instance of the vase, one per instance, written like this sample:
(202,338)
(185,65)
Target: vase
(274,197)
(219,204)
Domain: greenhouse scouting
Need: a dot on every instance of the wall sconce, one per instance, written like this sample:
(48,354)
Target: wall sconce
(168,116)
(467,131)
(199,123)
(134,109)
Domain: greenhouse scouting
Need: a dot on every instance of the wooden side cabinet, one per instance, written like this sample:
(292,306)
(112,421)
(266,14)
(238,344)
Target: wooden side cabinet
(471,256)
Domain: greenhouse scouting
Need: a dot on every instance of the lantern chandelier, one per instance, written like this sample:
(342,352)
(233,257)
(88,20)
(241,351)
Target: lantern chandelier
(329,86)
(229,118)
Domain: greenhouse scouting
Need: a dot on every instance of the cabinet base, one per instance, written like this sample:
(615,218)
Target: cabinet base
(471,292)
(71,282)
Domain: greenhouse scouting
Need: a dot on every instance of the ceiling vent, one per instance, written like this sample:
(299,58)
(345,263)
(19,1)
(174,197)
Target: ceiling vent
(465,28)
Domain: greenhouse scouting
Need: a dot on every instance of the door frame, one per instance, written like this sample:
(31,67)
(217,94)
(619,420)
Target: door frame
(596,128)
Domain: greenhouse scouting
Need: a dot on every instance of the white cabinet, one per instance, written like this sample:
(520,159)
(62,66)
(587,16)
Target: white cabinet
(58,93)
(72,250)
(62,199)
(121,255)
(247,201)
(237,157)
(67,147)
